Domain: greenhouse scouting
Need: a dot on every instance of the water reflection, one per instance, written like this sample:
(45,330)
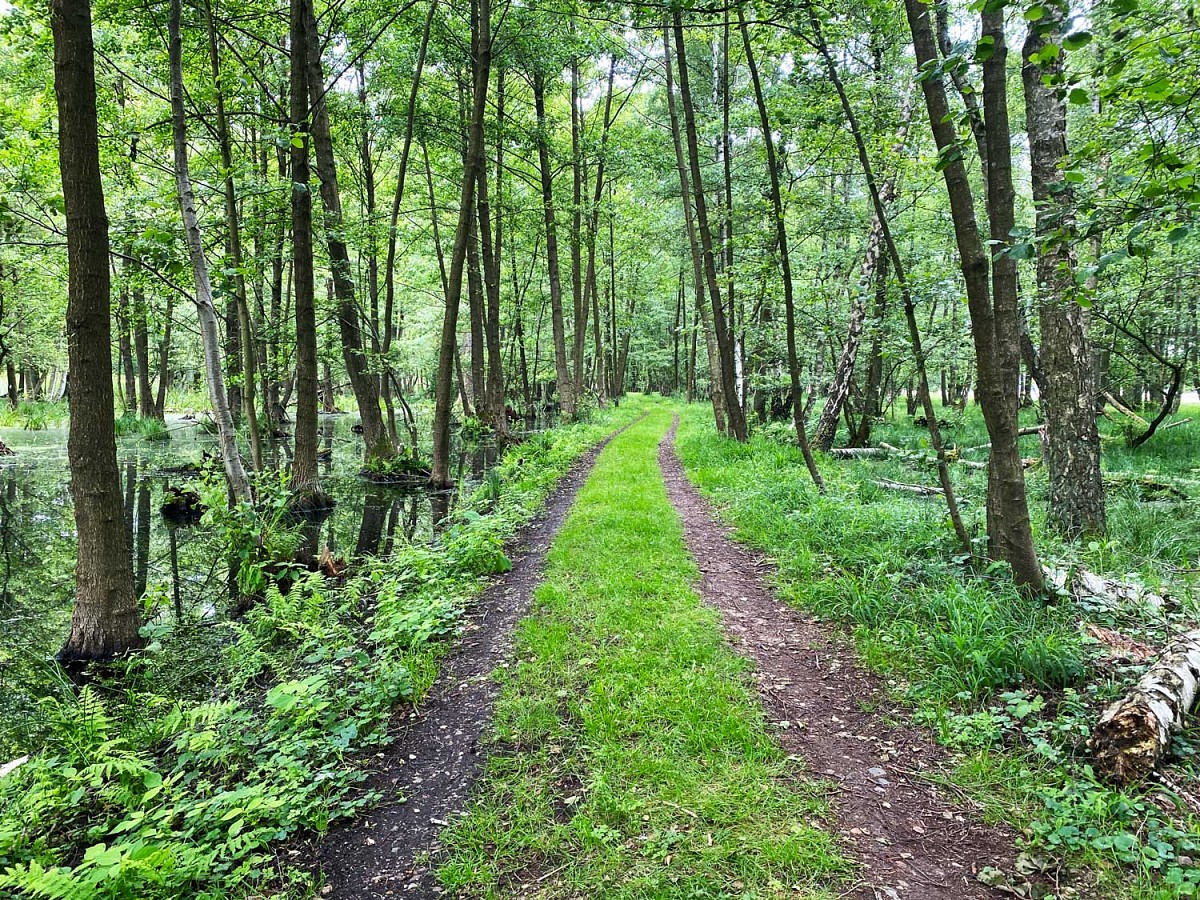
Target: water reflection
(179,567)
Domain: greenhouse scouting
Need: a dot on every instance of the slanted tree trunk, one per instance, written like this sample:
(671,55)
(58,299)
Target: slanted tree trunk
(994,313)
(365,385)
(444,398)
(566,394)
(234,237)
(733,406)
(717,388)
(235,472)
(105,619)
(1068,386)
(1134,733)
(910,315)
(843,376)
(781,239)
(306,490)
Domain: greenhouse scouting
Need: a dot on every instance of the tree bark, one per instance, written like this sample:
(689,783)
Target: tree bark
(379,446)
(306,490)
(481,65)
(994,326)
(1068,386)
(717,388)
(566,394)
(235,473)
(733,406)
(492,245)
(105,619)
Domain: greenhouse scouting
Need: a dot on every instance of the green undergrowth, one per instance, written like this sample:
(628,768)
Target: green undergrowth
(1012,685)
(178,772)
(630,757)
(34,415)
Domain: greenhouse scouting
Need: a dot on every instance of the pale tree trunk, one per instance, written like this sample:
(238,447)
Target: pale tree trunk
(235,473)
(733,406)
(444,394)
(717,390)
(781,239)
(305,486)
(245,324)
(566,394)
(379,446)
(105,619)
(1068,385)
(839,389)
(994,325)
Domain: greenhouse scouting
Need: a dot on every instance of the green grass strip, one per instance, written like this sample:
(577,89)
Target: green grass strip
(631,758)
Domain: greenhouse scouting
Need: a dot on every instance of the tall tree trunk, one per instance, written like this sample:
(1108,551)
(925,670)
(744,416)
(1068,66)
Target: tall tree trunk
(233,226)
(994,327)
(141,348)
(124,344)
(733,406)
(590,289)
(306,490)
(566,394)
(105,618)
(579,299)
(159,409)
(1069,389)
(717,389)
(481,65)
(235,473)
(379,446)
(781,239)
(492,246)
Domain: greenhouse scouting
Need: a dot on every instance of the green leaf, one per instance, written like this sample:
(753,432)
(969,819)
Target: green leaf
(1178,234)
(1077,39)
(1079,96)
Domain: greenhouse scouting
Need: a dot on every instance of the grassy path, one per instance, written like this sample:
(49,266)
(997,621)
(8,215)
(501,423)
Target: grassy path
(631,758)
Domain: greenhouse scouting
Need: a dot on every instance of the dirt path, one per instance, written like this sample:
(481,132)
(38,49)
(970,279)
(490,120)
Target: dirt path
(910,841)
(435,760)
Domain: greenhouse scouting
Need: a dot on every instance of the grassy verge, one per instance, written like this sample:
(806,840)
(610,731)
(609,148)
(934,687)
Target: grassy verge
(174,774)
(631,759)
(1013,686)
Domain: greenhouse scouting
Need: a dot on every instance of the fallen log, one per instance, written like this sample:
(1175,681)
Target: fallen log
(919,489)
(858,452)
(1134,733)
(1088,587)
(1027,431)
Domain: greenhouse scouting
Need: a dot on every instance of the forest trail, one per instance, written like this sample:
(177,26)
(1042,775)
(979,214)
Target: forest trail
(909,839)
(426,774)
